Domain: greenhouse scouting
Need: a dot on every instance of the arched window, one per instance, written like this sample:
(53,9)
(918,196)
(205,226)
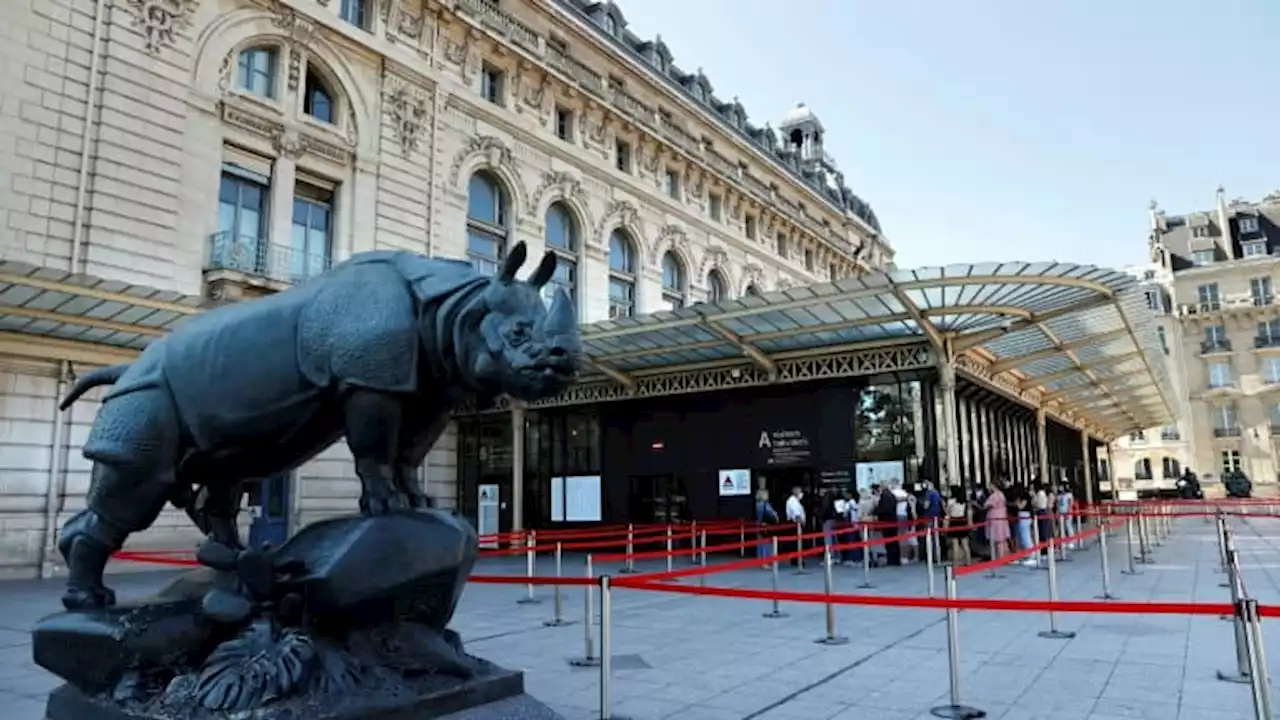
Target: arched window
(486,223)
(1142,469)
(672,281)
(317,100)
(752,290)
(256,71)
(622,275)
(562,239)
(717,288)
(1171,468)
(610,25)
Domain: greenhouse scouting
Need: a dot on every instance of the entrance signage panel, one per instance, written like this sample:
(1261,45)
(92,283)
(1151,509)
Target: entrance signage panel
(487,515)
(871,473)
(735,482)
(582,498)
(785,447)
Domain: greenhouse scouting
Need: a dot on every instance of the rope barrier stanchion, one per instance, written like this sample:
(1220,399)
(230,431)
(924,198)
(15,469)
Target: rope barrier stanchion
(831,638)
(693,543)
(588,658)
(1144,539)
(930,533)
(1221,521)
(774,611)
(557,603)
(702,555)
(1233,560)
(1064,532)
(1260,681)
(864,536)
(1053,633)
(800,549)
(630,567)
(530,558)
(1035,543)
(606,650)
(670,548)
(955,710)
(1128,547)
(742,538)
(1237,618)
(1106,563)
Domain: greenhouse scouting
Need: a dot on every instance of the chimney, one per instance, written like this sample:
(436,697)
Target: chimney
(1228,242)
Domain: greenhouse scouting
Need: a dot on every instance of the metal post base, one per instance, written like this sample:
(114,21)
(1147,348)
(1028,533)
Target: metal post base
(958,712)
(628,571)
(1106,596)
(996,576)
(556,623)
(585,662)
(1232,677)
(832,640)
(865,586)
(528,601)
(1056,634)
(800,571)
(1130,572)
(774,614)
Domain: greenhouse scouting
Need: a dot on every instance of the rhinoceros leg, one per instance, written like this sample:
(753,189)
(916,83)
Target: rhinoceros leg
(372,421)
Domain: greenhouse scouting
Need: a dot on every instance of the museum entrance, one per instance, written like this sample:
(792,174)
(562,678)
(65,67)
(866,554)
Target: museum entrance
(779,481)
(658,499)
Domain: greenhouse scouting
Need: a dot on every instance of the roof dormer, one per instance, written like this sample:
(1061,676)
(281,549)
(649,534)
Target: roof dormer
(609,17)
(657,54)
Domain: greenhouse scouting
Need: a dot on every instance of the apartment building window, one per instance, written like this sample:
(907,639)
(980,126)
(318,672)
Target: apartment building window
(1260,290)
(1225,423)
(622,156)
(486,223)
(1200,231)
(256,71)
(1253,249)
(1271,370)
(808,259)
(782,245)
(562,239)
(673,281)
(355,12)
(317,100)
(1142,469)
(1170,468)
(1230,461)
(1268,334)
(1203,257)
(1164,339)
(1215,339)
(1170,432)
(564,124)
(622,275)
(749,227)
(1139,436)
(1248,224)
(241,241)
(717,288)
(312,237)
(1153,299)
(1220,374)
(672,184)
(713,206)
(491,84)
(1208,296)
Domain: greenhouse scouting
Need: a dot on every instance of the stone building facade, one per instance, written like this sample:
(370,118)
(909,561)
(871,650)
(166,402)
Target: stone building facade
(223,149)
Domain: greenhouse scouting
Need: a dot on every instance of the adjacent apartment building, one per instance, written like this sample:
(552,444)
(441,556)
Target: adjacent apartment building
(156,157)
(1212,282)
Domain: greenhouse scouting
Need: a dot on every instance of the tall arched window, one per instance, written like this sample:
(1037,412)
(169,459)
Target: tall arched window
(672,281)
(256,71)
(717,288)
(317,101)
(752,290)
(1142,469)
(562,239)
(622,275)
(486,223)
(1171,468)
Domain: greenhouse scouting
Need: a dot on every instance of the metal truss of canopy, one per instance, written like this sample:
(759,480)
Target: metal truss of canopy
(1075,338)
(48,314)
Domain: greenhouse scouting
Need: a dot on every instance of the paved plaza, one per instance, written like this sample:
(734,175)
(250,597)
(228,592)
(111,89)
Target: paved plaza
(702,658)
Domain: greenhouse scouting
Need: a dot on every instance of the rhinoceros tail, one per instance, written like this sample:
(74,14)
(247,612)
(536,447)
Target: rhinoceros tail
(92,379)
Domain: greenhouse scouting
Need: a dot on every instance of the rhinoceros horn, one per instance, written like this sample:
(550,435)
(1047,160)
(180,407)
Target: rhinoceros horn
(560,318)
(514,260)
(546,269)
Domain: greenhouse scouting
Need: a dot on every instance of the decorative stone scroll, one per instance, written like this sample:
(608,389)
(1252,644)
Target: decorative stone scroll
(407,110)
(160,20)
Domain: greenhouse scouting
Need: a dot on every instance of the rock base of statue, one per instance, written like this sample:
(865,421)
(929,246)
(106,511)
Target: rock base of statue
(345,621)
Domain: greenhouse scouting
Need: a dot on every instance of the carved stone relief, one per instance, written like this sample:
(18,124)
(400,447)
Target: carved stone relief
(753,274)
(670,237)
(464,53)
(300,30)
(714,257)
(493,149)
(784,283)
(532,95)
(159,21)
(295,68)
(407,110)
(624,213)
(564,185)
(286,141)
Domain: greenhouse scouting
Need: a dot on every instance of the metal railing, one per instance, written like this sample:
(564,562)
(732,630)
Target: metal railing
(1214,346)
(1262,341)
(257,257)
(1227,432)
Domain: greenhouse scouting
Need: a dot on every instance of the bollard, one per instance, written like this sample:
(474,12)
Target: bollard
(1241,674)
(1106,564)
(1260,681)
(530,558)
(800,551)
(589,658)
(955,710)
(831,637)
(631,551)
(773,582)
(670,548)
(1053,633)
(557,615)
(1128,546)
(930,532)
(606,648)
(864,536)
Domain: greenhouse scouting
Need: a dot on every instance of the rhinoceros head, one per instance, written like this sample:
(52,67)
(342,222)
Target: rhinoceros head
(528,350)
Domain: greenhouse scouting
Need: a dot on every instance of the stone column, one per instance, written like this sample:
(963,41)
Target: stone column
(284,174)
(1088,469)
(1042,444)
(950,432)
(517,466)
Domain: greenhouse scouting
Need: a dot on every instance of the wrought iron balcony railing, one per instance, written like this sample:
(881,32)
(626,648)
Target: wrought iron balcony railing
(256,257)
(1227,432)
(1262,341)
(1214,346)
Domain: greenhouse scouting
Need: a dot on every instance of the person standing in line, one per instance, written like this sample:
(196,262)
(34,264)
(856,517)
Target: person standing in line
(849,518)
(867,518)
(795,515)
(932,511)
(957,533)
(1040,507)
(887,516)
(765,515)
(997,521)
(1023,506)
(830,518)
(1066,504)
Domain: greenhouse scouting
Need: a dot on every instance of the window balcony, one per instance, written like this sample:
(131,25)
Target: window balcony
(245,266)
(1227,432)
(1263,300)
(1210,347)
(1173,436)
(1260,342)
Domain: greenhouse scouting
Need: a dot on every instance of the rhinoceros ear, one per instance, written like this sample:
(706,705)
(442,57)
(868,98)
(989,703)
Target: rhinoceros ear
(514,260)
(546,269)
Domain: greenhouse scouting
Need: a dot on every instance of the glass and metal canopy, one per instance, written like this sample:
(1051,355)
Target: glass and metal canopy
(1077,336)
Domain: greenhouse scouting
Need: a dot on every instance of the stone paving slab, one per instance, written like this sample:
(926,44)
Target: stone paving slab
(684,657)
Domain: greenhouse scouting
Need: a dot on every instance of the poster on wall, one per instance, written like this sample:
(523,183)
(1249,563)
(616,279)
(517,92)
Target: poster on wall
(576,499)
(879,473)
(734,482)
(487,514)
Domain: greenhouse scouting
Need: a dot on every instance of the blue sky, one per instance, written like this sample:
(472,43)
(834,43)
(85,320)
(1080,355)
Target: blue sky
(1007,129)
